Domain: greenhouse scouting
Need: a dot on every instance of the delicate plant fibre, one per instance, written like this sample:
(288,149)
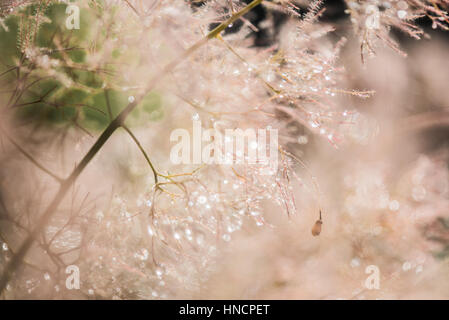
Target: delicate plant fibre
(164,64)
(373,20)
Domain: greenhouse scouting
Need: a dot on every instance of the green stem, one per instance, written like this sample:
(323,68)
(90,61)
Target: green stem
(143,152)
(108,104)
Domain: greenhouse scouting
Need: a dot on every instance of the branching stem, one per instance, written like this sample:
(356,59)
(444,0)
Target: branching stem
(107,133)
(155,174)
(29,156)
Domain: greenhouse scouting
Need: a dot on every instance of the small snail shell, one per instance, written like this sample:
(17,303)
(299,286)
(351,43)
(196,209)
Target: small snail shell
(316,230)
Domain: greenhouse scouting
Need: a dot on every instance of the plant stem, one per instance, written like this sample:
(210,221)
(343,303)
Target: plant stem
(143,152)
(29,156)
(116,123)
(108,104)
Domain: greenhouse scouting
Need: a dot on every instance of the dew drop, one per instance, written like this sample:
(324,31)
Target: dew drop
(202,199)
(159,272)
(200,239)
(418,193)
(355,262)
(394,205)
(402,14)
(406,266)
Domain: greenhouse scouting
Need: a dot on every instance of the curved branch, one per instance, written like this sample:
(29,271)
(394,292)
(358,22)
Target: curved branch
(155,174)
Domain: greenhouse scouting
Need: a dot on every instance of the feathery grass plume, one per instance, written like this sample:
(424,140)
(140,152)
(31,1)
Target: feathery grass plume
(97,105)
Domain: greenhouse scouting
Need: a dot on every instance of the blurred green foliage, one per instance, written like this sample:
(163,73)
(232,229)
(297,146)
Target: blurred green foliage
(64,93)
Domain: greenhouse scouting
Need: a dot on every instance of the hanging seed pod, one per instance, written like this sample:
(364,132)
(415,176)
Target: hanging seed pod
(316,230)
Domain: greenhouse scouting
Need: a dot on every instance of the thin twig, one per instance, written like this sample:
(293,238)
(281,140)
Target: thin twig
(30,157)
(108,104)
(155,174)
(132,7)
